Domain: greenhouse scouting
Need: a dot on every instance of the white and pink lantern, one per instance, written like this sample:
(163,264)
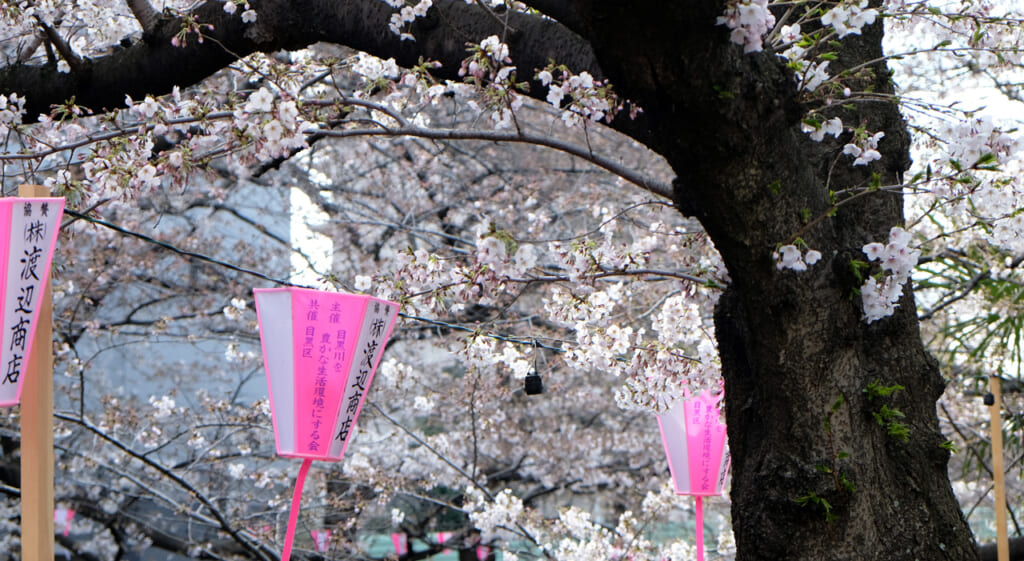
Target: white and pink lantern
(321,539)
(441,538)
(320,351)
(62,517)
(698,456)
(28,228)
(401,543)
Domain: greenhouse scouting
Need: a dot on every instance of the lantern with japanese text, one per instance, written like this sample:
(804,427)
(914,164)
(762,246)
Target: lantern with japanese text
(320,351)
(698,458)
(30,226)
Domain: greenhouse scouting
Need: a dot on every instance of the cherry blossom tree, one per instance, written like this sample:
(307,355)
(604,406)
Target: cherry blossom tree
(783,271)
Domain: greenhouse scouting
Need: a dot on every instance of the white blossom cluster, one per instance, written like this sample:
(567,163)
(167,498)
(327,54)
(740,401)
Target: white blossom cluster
(589,99)
(493,516)
(979,166)
(968,140)
(898,259)
(235,310)
(406,14)
(274,128)
(373,69)
(490,68)
(849,17)
(583,538)
(865,149)
(817,131)
(811,75)
(126,165)
(789,256)
(749,21)
(164,405)
(482,352)
(248,14)
(97,24)
(11,112)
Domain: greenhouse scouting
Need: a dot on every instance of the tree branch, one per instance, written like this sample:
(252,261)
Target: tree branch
(73,60)
(144,13)
(224,524)
(625,172)
(26,50)
(559,10)
(154,66)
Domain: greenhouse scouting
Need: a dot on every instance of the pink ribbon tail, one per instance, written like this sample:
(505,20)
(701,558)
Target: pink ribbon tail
(293,515)
(700,529)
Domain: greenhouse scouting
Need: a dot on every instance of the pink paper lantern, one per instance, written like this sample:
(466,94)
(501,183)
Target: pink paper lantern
(401,542)
(321,539)
(441,538)
(698,457)
(62,518)
(28,228)
(320,351)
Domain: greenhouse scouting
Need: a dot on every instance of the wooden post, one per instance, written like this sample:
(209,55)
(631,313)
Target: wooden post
(37,429)
(996,427)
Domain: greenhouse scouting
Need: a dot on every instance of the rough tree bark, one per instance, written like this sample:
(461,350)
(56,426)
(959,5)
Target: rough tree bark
(792,344)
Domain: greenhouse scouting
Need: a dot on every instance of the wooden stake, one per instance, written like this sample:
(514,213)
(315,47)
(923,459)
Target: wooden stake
(37,429)
(996,426)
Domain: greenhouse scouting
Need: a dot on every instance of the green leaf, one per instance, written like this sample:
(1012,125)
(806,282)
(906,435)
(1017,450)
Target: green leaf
(876,389)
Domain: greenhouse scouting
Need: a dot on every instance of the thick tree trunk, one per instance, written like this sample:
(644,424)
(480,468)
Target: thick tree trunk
(796,354)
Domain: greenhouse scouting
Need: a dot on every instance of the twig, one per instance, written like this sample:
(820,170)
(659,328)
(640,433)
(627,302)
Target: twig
(62,46)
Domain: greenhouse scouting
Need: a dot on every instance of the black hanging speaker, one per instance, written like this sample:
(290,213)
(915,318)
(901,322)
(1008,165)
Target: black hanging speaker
(533,384)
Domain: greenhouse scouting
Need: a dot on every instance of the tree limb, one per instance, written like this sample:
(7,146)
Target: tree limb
(625,172)
(73,60)
(154,66)
(559,10)
(144,13)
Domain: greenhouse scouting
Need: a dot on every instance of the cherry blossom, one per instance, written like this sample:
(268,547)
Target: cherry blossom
(879,300)
(749,21)
(789,256)
(817,131)
(865,150)
(623,310)
(849,17)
